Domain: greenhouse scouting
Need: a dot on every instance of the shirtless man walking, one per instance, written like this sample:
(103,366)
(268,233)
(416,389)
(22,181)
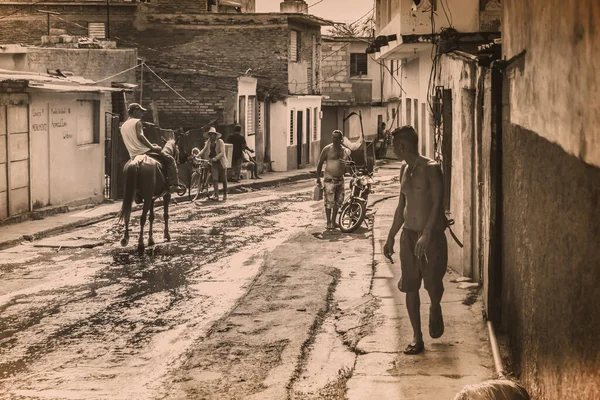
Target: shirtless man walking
(333,156)
(423,246)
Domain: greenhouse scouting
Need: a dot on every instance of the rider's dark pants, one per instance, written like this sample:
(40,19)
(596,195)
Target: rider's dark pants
(169,162)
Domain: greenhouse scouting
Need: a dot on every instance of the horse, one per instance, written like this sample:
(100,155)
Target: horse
(144,177)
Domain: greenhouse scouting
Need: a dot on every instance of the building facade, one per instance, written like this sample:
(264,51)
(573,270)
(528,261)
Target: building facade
(51,142)
(355,82)
(194,53)
(420,42)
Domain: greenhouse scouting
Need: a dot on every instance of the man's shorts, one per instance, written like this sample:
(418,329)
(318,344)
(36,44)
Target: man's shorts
(334,192)
(219,172)
(430,268)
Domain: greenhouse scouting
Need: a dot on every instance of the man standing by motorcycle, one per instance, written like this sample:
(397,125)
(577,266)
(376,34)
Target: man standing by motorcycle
(333,156)
(423,246)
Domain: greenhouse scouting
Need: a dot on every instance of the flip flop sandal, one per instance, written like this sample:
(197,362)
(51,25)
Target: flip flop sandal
(414,348)
(436,325)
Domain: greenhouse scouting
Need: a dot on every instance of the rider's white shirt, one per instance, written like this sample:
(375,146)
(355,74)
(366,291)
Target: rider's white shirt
(134,146)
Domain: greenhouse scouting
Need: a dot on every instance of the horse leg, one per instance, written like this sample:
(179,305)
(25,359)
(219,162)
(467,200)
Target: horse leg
(166,201)
(142,223)
(150,230)
(125,239)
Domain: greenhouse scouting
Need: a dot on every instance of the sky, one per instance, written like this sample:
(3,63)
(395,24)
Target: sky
(334,10)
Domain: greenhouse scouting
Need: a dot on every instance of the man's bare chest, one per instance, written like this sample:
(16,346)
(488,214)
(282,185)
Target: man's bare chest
(414,182)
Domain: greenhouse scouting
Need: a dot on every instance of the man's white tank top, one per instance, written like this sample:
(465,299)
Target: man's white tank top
(134,146)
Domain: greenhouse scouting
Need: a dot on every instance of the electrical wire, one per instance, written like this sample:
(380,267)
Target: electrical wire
(21,9)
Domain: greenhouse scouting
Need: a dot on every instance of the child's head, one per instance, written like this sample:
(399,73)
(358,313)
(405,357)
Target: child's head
(195,152)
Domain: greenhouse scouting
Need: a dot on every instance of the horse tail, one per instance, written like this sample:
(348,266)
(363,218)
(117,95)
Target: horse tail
(131,174)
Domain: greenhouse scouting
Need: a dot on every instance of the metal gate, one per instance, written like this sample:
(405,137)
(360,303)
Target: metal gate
(115,157)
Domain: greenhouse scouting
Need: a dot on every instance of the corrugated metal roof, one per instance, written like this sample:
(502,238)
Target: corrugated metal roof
(37,81)
(71,88)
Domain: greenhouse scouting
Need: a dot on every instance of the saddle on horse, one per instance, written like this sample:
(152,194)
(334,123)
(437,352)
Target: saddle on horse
(157,161)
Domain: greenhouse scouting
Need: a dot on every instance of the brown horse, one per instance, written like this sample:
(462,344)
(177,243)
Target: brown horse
(146,180)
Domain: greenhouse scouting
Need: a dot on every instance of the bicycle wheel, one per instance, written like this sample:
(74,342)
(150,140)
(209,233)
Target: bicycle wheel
(352,216)
(194,188)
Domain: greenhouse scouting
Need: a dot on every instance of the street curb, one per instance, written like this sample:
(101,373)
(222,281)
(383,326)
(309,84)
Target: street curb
(110,215)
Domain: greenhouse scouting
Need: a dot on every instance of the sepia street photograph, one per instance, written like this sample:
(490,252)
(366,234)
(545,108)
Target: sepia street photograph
(299,200)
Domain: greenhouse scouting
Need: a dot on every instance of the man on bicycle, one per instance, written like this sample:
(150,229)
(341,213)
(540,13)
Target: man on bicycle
(334,156)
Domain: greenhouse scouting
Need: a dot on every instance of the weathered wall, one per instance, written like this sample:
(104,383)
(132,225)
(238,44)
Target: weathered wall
(202,56)
(28,26)
(64,172)
(556,74)
(338,84)
(551,196)
(460,76)
(94,64)
(551,280)
(303,75)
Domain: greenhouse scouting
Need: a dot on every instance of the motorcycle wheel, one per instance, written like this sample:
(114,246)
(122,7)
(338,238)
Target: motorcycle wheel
(352,216)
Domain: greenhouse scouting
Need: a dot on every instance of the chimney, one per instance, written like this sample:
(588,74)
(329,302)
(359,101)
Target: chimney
(294,6)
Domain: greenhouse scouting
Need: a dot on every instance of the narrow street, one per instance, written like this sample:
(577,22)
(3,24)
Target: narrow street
(232,303)
(101,322)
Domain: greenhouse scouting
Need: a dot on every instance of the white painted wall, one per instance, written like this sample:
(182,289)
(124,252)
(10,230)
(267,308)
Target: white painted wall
(63,171)
(464,15)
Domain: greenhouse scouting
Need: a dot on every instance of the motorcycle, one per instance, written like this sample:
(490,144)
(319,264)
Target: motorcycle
(354,208)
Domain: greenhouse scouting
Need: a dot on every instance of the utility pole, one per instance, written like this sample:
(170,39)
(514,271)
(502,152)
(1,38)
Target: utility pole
(107,20)
(48,13)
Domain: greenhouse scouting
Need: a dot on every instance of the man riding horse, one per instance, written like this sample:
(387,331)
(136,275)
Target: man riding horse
(144,178)
(137,144)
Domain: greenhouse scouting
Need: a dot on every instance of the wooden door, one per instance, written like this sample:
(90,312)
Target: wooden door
(17,159)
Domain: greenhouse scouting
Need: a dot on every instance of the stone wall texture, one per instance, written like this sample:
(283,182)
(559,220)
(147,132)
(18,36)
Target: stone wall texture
(551,196)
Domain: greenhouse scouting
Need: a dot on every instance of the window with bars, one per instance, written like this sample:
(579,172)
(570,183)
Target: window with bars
(295,45)
(250,127)
(315,118)
(292,112)
(358,64)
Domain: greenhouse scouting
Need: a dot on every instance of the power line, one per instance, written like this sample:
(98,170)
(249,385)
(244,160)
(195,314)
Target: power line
(21,9)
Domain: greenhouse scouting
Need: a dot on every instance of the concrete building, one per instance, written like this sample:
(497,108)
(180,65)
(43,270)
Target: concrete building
(200,54)
(51,142)
(514,123)
(414,38)
(550,207)
(354,81)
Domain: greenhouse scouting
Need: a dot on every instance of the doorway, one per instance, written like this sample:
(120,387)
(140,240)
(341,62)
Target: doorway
(300,137)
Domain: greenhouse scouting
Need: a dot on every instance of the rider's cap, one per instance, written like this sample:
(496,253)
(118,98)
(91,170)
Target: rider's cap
(237,128)
(135,106)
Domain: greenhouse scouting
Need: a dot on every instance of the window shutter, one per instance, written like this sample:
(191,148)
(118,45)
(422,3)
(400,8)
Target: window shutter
(316,116)
(250,128)
(291,127)
(294,46)
(97,30)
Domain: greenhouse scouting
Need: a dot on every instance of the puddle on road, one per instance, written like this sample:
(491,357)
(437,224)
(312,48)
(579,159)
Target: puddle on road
(90,311)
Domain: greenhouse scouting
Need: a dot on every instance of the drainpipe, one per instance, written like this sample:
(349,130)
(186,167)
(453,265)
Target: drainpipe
(495,350)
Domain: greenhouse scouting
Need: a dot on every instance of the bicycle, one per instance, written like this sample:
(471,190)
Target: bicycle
(354,208)
(200,180)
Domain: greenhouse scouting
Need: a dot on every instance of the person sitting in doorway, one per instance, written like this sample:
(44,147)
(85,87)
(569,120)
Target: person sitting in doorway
(250,164)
